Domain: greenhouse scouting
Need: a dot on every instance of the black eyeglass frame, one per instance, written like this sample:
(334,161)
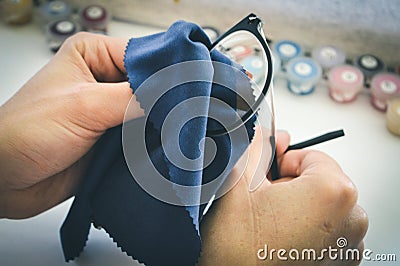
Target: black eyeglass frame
(253,24)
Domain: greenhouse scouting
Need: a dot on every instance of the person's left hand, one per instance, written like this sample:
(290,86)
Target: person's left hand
(48,127)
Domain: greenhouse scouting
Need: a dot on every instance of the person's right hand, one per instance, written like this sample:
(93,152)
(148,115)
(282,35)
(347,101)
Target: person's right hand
(310,207)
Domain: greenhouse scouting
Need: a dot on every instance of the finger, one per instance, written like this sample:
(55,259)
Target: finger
(282,142)
(297,162)
(30,201)
(107,104)
(322,177)
(103,55)
(262,153)
(355,227)
(281,180)
(350,234)
(259,157)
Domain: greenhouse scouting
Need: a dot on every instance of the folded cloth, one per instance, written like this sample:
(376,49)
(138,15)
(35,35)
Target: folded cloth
(152,230)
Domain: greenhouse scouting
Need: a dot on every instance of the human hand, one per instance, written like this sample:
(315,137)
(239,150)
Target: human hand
(310,207)
(48,127)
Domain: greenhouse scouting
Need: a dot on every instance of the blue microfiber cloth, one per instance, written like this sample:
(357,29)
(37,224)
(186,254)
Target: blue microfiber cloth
(150,230)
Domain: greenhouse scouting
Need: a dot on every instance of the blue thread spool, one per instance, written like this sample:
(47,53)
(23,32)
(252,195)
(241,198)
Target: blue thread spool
(287,50)
(277,63)
(255,65)
(303,73)
(55,10)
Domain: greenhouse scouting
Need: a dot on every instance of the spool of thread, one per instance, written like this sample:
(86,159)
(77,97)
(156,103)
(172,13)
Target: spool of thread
(303,73)
(94,18)
(255,65)
(384,86)
(276,63)
(369,64)
(393,116)
(239,52)
(345,82)
(55,10)
(58,31)
(287,50)
(328,56)
(16,11)
(212,33)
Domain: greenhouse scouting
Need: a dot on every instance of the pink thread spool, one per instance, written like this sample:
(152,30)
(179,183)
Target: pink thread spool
(94,18)
(384,86)
(345,82)
(240,51)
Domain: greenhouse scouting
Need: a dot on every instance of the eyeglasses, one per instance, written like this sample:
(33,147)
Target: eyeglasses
(245,44)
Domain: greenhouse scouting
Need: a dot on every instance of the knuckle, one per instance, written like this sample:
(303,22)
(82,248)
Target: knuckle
(77,40)
(361,221)
(340,190)
(78,37)
(336,185)
(348,192)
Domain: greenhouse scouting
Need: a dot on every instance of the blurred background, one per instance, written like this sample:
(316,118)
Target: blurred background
(359,26)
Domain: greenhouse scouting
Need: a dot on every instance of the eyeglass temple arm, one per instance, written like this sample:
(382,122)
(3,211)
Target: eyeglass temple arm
(323,138)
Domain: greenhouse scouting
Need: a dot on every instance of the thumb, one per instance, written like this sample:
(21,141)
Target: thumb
(282,142)
(109,102)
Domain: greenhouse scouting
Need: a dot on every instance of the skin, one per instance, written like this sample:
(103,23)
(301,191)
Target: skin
(83,91)
(311,206)
(65,107)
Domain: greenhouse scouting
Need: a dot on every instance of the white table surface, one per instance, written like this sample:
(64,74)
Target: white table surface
(369,154)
